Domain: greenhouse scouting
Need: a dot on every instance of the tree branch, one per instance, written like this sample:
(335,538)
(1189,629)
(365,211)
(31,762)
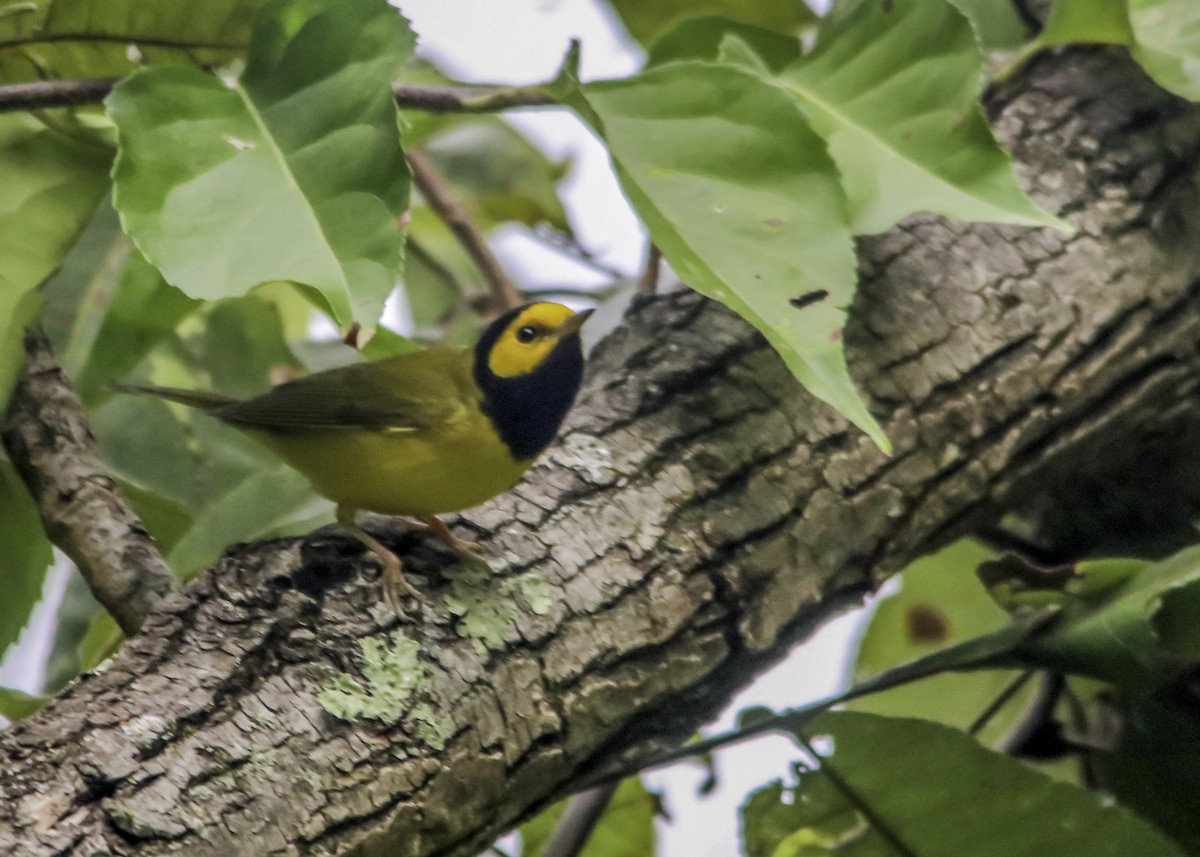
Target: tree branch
(504,295)
(699,516)
(578,821)
(85,514)
(43,94)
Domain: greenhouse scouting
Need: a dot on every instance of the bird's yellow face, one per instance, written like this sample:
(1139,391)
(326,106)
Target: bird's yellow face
(530,338)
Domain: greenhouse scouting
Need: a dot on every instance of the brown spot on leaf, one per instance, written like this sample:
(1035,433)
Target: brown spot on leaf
(925,624)
(773,222)
(808,298)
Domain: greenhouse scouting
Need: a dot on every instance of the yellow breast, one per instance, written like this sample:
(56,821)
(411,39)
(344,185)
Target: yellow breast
(412,472)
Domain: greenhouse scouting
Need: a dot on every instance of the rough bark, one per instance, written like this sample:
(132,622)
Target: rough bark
(701,514)
(46,434)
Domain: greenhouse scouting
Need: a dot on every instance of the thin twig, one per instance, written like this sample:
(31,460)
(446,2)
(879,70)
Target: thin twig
(570,247)
(1039,713)
(1010,690)
(446,205)
(469,99)
(434,99)
(578,821)
(48,439)
(53,93)
(648,284)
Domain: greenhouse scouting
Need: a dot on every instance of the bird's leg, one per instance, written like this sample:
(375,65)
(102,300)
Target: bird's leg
(435,525)
(395,583)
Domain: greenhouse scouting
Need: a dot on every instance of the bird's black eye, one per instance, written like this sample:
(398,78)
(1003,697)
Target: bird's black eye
(526,334)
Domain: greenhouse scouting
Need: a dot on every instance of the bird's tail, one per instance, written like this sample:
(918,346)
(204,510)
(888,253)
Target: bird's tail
(192,398)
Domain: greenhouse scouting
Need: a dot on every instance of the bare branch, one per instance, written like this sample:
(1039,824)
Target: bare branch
(504,295)
(434,99)
(53,93)
(648,284)
(578,821)
(47,436)
(469,99)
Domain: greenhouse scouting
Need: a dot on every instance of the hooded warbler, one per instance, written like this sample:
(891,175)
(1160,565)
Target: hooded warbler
(423,433)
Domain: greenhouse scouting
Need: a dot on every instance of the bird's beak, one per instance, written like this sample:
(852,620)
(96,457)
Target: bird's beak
(573,323)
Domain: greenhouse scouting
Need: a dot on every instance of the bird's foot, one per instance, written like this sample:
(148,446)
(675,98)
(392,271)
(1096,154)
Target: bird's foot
(439,530)
(396,585)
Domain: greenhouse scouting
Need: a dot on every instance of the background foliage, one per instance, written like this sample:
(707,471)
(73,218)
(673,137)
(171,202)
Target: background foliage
(249,168)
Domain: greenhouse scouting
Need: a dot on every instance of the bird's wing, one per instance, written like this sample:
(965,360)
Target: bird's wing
(410,391)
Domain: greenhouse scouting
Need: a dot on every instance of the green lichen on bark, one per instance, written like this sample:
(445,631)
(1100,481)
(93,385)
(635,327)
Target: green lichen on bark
(485,616)
(393,675)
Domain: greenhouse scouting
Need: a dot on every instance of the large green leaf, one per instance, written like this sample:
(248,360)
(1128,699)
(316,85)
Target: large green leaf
(273,500)
(700,39)
(998,25)
(745,203)
(1096,21)
(294,172)
(16,704)
(52,184)
(111,38)
(1167,43)
(941,603)
(646,21)
(25,555)
(894,88)
(499,175)
(1138,636)
(1154,768)
(122,318)
(900,788)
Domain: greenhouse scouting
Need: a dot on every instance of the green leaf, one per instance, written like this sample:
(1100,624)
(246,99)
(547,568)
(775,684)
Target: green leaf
(241,347)
(908,787)
(76,614)
(625,829)
(1094,21)
(1167,43)
(166,519)
(52,185)
(1136,636)
(120,322)
(17,705)
(102,639)
(499,175)
(743,200)
(25,557)
(1176,619)
(274,500)
(941,604)
(646,22)
(18,312)
(700,38)
(894,88)
(111,38)
(998,25)
(65,291)
(1155,767)
(294,172)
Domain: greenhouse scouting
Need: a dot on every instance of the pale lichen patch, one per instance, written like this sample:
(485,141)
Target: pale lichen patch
(392,673)
(487,616)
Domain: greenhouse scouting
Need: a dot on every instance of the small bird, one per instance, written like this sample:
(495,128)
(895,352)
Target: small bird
(423,433)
